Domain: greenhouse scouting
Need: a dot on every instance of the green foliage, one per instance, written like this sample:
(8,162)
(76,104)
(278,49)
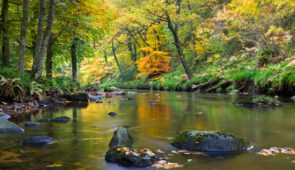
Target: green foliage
(11,89)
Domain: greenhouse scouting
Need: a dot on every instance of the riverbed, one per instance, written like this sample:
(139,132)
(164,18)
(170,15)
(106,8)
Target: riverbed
(82,142)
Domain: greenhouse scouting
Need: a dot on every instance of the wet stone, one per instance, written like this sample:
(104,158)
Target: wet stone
(31,124)
(5,116)
(112,114)
(44,120)
(37,140)
(61,119)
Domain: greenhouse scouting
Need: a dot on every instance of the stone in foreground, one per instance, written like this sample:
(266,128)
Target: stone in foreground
(9,127)
(31,124)
(210,141)
(61,119)
(37,140)
(5,116)
(131,157)
(121,138)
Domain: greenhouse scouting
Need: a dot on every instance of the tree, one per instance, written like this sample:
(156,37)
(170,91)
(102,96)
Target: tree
(5,36)
(42,40)
(23,38)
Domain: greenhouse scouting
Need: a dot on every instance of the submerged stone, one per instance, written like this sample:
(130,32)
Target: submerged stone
(44,120)
(210,141)
(9,127)
(131,158)
(152,103)
(37,140)
(111,102)
(99,101)
(113,114)
(5,116)
(61,119)
(31,124)
(121,138)
(131,98)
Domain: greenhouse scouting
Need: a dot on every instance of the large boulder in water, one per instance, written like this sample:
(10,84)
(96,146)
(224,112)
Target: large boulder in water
(77,97)
(50,102)
(210,141)
(131,157)
(37,140)
(121,138)
(9,127)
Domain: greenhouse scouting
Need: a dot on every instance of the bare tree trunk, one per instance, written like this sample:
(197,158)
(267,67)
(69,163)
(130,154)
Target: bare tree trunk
(74,58)
(115,56)
(5,37)
(38,42)
(50,19)
(23,38)
(49,57)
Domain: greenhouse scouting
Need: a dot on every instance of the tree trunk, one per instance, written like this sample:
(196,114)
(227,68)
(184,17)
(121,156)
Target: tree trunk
(23,38)
(74,58)
(49,57)
(38,42)
(178,47)
(174,31)
(115,56)
(50,19)
(132,53)
(5,37)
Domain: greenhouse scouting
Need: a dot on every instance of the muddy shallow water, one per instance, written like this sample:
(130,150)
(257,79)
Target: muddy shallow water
(82,142)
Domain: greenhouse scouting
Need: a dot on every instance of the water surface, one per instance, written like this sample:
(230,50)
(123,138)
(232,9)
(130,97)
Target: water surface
(82,142)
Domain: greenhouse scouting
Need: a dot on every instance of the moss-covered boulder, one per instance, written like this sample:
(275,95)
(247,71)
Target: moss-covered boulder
(121,138)
(259,101)
(77,97)
(111,89)
(210,141)
(131,157)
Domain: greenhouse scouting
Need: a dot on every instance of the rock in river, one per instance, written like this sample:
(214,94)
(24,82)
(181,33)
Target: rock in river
(131,157)
(9,127)
(210,141)
(259,101)
(31,124)
(5,116)
(121,138)
(61,119)
(77,97)
(44,120)
(112,114)
(37,140)
(51,102)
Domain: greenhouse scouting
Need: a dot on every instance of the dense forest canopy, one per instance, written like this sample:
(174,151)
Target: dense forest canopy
(207,45)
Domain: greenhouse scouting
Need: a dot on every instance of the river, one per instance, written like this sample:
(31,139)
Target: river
(82,142)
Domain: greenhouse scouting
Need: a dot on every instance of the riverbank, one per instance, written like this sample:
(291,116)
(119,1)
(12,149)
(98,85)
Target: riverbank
(236,76)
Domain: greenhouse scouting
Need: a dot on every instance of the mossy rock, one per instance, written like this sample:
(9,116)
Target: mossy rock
(120,138)
(259,101)
(131,158)
(210,141)
(111,89)
(77,97)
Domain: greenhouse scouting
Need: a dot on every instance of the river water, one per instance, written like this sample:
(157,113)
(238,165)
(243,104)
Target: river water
(82,142)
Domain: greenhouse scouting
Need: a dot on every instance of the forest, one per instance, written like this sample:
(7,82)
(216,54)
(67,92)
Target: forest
(238,46)
(189,84)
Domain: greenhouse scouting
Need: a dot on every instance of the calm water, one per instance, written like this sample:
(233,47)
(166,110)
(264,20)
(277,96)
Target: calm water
(82,143)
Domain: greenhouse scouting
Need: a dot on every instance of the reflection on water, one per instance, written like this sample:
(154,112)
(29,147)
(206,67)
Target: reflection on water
(82,142)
